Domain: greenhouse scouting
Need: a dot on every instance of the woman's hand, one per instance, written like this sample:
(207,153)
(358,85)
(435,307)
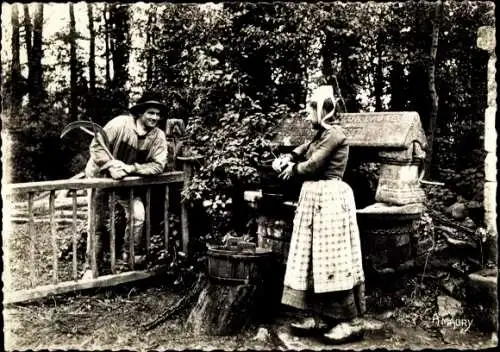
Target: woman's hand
(280,162)
(288,172)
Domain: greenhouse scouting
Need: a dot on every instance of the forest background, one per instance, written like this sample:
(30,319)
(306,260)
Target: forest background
(233,71)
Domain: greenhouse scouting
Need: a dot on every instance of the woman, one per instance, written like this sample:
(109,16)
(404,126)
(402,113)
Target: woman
(324,273)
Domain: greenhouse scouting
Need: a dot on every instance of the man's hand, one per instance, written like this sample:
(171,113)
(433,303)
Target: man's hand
(116,163)
(129,169)
(288,172)
(118,169)
(117,173)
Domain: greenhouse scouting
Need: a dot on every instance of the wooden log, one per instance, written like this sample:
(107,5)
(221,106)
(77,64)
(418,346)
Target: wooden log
(72,286)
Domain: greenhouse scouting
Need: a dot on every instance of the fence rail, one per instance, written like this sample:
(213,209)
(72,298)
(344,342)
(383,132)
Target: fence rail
(91,185)
(75,184)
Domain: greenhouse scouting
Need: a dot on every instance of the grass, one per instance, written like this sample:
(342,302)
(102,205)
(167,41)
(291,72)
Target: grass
(17,257)
(109,319)
(102,318)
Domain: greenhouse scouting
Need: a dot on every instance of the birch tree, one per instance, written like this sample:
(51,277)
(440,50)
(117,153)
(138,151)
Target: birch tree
(432,84)
(35,80)
(73,64)
(91,63)
(15,68)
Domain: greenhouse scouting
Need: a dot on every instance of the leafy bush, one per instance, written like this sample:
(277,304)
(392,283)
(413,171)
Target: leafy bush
(233,148)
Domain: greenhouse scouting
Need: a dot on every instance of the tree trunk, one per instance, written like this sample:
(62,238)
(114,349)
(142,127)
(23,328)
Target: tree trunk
(106,41)
(91,97)
(432,86)
(15,68)
(28,31)
(223,309)
(226,306)
(397,86)
(379,76)
(36,71)
(73,64)
(149,46)
(348,79)
(120,39)
(326,55)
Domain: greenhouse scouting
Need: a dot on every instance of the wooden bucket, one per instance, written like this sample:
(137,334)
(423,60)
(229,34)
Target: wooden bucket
(239,267)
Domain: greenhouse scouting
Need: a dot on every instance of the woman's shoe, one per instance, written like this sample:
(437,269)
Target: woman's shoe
(308,327)
(344,333)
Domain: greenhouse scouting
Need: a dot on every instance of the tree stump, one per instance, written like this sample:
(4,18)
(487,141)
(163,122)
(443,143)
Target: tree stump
(223,309)
(237,294)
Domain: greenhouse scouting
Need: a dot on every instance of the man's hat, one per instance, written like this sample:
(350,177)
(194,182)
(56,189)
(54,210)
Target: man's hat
(149,100)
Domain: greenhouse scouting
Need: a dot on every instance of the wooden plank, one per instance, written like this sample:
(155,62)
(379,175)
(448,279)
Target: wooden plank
(58,221)
(53,236)
(41,205)
(72,286)
(131,239)
(112,240)
(92,232)
(165,217)
(74,237)
(148,223)
(131,181)
(66,214)
(31,239)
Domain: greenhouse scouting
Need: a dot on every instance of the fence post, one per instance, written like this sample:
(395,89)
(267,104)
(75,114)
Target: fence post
(31,239)
(74,238)
(92,232)
(188,168)
(148,224)
(53,235)
(166,202)
(112,239)
(131,237)
(188,172)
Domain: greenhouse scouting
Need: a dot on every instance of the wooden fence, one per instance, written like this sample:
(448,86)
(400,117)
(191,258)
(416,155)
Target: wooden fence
(32,189)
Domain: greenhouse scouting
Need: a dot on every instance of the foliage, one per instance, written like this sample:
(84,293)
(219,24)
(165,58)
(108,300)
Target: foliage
(234,151)
(232,71)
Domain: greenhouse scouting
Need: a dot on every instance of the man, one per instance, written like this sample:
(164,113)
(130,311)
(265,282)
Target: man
(138,147)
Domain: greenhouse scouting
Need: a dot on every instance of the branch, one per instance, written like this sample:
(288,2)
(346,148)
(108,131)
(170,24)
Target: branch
(193,292)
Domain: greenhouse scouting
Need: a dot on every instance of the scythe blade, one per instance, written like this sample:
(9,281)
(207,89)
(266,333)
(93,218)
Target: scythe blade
(99,133)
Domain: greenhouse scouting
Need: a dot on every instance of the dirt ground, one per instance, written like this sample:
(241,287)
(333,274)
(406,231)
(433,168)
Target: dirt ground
(112,319)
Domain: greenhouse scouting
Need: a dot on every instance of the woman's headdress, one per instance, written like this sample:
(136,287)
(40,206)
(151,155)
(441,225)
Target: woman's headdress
(319,96)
